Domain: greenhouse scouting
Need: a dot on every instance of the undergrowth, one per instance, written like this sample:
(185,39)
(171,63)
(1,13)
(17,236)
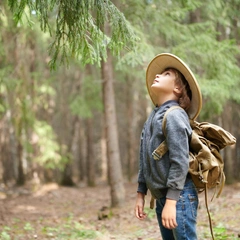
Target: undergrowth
(220,233)
(68,229)
(71,229)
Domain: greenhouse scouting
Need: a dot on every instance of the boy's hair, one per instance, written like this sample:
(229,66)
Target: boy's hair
(186,93)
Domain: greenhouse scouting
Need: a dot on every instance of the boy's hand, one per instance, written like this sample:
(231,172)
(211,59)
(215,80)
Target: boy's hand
(139,207)
(169,214)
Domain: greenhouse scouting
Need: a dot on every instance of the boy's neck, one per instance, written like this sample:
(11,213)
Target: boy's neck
(162,99)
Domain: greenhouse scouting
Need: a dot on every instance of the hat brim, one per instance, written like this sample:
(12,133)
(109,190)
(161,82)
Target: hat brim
(167,60)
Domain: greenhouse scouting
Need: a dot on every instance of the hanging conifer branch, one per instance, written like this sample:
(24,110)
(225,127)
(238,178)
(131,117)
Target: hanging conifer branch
(78,29)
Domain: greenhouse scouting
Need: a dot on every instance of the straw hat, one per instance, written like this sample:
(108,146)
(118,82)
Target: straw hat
(167,60)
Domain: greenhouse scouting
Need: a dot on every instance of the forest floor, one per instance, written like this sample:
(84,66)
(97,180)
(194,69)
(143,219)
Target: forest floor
(54,212)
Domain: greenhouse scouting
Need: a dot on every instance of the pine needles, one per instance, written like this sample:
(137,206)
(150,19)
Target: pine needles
(79,27)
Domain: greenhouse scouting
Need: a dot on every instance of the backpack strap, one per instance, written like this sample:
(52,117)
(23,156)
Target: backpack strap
(163,148)
(208,212)
(165,117)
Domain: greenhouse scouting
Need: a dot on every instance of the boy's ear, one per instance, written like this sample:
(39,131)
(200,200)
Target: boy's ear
(177,90)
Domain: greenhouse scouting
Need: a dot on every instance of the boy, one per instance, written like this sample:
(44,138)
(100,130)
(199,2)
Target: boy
(170,83)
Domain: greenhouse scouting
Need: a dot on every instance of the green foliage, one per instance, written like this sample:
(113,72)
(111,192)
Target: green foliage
(151,214)
(44,92)
(216,70)
(5,233)
(3,103)
(88,99)
(68,229)
(5,236)
(79,28)
(75,231)
(137,57)
(48,150)
(28,227)
(79,106)
(221,233)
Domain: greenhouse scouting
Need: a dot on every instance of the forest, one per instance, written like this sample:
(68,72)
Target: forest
(73,101)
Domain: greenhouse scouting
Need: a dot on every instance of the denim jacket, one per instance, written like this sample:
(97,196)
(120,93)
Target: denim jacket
(164,177)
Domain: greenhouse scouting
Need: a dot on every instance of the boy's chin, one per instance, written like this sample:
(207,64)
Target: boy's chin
(155,89)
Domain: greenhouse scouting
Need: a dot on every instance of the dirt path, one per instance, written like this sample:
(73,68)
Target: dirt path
(55,212)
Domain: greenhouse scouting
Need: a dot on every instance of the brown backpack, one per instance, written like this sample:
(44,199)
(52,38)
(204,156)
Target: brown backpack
(205,161)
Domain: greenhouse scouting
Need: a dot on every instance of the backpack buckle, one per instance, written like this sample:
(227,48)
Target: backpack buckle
(156,156)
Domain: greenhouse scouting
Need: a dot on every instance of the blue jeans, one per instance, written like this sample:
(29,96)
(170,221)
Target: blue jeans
(186,215)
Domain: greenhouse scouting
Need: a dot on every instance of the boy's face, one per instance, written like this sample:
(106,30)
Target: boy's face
(164,82)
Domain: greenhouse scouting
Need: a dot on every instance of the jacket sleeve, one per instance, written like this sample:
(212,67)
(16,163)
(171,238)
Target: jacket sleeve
(142,187)
(178,132)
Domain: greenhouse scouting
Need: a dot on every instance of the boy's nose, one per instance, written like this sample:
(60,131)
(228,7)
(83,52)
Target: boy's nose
(158,75)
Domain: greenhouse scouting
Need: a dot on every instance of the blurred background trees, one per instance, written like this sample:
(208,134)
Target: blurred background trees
(72,83)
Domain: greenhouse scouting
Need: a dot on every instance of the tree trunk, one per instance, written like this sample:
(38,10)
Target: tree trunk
(8,155)
(104,158)
(229,161)
(195,16)
(90,154)
(68,171)
(131,126)
(82,152)
(66,126)
(21,176)
(67,176)
(115,169)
